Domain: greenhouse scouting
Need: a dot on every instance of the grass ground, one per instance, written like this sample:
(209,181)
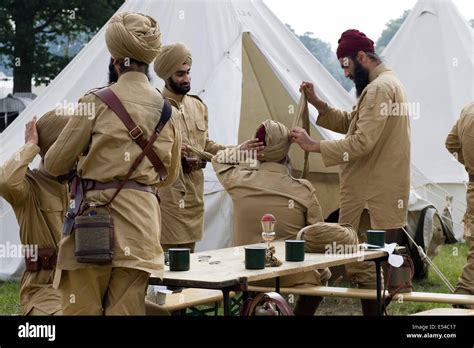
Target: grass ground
(9,300)
(450,261)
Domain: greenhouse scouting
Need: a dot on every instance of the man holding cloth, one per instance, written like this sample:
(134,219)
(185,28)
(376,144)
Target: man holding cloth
(374,157)
(106,150)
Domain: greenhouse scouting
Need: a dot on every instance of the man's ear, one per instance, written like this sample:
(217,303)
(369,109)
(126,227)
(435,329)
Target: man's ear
(361,57)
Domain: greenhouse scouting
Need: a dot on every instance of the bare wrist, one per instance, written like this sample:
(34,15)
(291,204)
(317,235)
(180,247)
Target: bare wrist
(316,147)
(321,105)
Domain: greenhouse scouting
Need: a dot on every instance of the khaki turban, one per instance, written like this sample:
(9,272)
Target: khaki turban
(133,35)
(170,59)
(276,137)
(324,237)
(49,126)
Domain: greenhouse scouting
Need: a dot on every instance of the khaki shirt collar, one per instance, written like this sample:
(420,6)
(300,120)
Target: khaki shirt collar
(379,69)
(177,98)
(274,167)
(134,76)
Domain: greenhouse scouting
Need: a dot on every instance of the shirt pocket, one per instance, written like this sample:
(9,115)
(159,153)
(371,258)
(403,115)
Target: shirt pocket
(370,97)
(201,124)
(51,206)
(468,144)
(201,133)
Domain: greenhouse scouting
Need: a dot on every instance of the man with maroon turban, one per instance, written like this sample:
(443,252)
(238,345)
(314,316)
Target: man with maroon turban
(374,157)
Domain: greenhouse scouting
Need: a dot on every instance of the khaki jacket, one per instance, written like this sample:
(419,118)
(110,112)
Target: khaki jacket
(39,202)
(182,204)
(460,142)
(106,152)
(374,157)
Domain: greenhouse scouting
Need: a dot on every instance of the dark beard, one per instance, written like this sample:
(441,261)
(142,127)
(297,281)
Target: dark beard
(178,88)
(113,77)
(361,77)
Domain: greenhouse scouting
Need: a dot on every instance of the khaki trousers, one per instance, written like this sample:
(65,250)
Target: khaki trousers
(363,273)
(103,290)
(466,280)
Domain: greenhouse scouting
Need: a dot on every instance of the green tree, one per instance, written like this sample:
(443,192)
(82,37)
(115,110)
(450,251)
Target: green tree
(472,22)
(31,27)
(390,30)
(323,53)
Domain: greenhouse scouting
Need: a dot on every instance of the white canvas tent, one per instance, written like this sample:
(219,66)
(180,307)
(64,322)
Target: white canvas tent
(433,55)
(247,67)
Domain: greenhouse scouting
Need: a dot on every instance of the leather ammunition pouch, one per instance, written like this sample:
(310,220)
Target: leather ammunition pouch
(46,260)
(190,164)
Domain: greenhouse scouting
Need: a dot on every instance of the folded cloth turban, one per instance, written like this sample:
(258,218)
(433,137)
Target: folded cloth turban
(133,35)
(170,58)
(324,237)
(276,137)
(49,126)
(353,41)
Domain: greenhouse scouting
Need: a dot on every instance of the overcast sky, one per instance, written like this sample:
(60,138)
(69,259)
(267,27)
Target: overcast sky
(327,19)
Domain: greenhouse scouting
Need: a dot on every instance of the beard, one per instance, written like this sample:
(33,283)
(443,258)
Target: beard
(179,88)
(113,77)
(361,77)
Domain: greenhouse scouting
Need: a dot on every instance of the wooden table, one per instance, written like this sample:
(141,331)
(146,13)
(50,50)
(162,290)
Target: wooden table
(224,269)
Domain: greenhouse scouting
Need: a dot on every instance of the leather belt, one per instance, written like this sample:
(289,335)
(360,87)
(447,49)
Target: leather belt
(90,185)
(471,178)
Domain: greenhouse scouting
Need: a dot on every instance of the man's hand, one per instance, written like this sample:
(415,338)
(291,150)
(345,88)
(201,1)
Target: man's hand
(309,91)
(253,146)
(299,136)
(184,150)
(31,134)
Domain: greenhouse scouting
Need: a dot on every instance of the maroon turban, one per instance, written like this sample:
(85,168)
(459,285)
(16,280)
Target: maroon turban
(353,41)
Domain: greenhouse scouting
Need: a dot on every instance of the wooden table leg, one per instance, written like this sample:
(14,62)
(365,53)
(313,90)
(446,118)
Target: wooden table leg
(277,284)
(378,271)
(227,309)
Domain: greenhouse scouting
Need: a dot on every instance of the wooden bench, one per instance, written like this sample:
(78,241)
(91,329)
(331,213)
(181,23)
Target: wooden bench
(447,311)
(190,298)
(370,294)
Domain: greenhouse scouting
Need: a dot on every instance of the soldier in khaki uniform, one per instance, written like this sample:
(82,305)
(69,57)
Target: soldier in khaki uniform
(374,157)
(39,202)
(460,143)
(182,204)
(106,151)
(269,188)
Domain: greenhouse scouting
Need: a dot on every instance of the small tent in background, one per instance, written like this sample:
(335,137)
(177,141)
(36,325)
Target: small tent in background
(247,67)
(432,54)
